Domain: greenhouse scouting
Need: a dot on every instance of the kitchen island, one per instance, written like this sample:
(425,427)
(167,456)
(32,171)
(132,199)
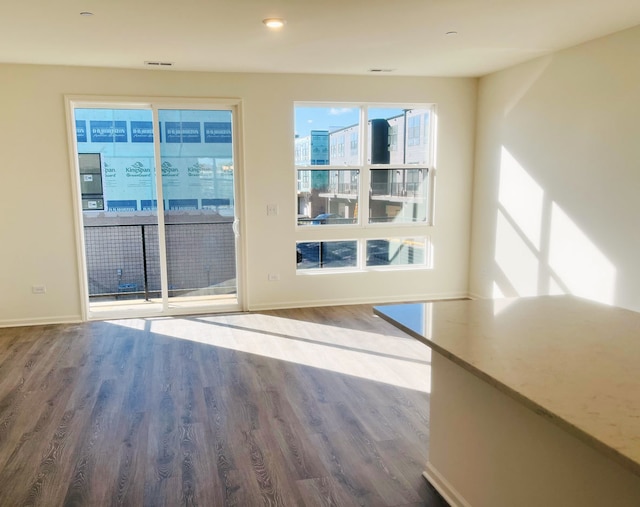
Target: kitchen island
(534,401)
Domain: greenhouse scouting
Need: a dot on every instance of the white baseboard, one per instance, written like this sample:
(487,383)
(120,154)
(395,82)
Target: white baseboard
(72,319)
(446,490)
(41,321)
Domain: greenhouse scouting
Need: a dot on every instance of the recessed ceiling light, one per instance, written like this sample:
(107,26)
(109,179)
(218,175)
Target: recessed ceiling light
(381,70)
(86,13)
(274,22)
(451,33)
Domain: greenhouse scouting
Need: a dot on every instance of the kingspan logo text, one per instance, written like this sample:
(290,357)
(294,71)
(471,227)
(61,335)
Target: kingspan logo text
(138,169)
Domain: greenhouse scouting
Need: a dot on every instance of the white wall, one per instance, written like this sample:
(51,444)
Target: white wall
(557,176)
(37,235)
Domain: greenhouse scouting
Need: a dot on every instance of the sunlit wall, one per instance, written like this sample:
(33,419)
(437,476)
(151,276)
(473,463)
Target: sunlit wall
(556,183)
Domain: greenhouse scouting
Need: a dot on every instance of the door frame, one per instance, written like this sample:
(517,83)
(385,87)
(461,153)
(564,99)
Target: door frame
(153,104)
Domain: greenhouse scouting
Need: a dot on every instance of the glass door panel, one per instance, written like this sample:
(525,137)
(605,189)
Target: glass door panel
(197,160)
(116,164)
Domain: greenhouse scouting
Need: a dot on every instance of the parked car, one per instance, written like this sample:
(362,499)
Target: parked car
(326,218)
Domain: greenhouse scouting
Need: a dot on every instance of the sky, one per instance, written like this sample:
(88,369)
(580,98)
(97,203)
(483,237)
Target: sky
(334,118)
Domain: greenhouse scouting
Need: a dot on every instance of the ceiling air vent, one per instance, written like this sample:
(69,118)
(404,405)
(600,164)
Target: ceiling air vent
(158,64)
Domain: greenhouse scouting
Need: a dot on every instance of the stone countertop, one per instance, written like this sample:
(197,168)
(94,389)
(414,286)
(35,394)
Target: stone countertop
(573,361)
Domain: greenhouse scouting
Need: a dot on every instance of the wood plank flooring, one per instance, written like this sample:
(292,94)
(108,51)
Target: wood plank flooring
(305,407)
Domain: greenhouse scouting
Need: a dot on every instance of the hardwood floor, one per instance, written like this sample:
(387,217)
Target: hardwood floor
(308,407)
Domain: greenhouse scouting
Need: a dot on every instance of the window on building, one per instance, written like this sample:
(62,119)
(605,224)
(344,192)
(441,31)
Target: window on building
(413,134)
(354,144)
(425,130)
(387,184)
(393,137)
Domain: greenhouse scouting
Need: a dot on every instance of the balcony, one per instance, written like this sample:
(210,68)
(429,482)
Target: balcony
(123,258)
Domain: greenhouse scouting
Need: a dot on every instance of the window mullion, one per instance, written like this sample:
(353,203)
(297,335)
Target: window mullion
(162,240)
(365,169)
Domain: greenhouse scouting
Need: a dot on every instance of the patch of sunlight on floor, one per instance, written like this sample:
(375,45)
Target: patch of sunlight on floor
(394,360)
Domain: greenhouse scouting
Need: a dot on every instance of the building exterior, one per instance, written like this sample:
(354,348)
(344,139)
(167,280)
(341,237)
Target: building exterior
(399,140)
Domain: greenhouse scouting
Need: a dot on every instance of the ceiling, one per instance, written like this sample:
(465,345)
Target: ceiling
(407,37)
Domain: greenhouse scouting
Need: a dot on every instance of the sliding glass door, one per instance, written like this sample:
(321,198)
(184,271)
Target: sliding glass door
(157,200)
(196,156)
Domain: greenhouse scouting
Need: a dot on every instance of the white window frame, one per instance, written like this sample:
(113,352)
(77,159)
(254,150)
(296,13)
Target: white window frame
(362,230)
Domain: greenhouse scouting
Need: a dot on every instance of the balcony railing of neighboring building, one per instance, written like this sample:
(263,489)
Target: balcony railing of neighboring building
(345,188)
(342,189)
(397,189)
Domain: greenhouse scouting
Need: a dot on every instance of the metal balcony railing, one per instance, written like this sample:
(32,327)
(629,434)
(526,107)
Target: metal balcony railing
(396,189)
(123,261)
